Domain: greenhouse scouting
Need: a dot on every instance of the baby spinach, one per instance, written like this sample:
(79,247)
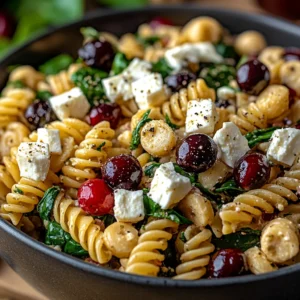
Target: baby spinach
(16,84)
(89,80)
(226,51)
(56,64)
(136,139)
(43,95)
(90,32)
(162,67)
(150,169)
(230,187)
(168,121)
(148,41)
(244,239)
(182,237)
(45,206)
(99,148)
(260,136)
(73,248)
(210,195)
(107,219)
(18,191)
(120,63)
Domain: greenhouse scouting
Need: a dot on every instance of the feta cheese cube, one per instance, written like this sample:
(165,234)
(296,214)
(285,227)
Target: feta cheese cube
(34,160)
(231,143)
(137,69)
(71,104)
(201,116)
(168,187)
(180,56)
(149,91)
(129,206)
(50,137)
(284,146)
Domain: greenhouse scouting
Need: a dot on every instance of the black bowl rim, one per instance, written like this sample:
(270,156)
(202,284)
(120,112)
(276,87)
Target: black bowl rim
(125,277)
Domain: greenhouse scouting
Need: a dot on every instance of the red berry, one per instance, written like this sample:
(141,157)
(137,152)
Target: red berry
(226,263)
(110,112)
(7,25)
(156,22)
(291,53)
(95,197)
(252,171)
(122,172)
(196,153)
(252,77)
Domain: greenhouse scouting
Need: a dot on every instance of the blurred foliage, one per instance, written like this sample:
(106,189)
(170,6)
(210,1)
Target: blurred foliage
(122,3)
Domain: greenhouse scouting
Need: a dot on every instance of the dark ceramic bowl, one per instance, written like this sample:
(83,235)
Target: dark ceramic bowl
(60,276)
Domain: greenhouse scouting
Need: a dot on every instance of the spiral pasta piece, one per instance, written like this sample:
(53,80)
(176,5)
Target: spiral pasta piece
(90,155)
(145,257)
(128,108)
(141,156)
(250,205)
(82,228)
(177,106)
(13,105)
(195,257)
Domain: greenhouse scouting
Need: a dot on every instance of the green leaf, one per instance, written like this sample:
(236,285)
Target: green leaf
(182,237)
(73,248)
(150,169)
(148,41)
(168,121)
(55,235)
(45,206)
(107,219)
(89,80)
(18,191)
(208,193)
(124,4)
(90,32)
(17,84)
(162,67)
(100,146)
(136,139)
(191,176)
(260,136)
(217,75)
(43,95)
(120,63)
(242,60)
(226,51)
(244,239)
(56,64)
(230,187)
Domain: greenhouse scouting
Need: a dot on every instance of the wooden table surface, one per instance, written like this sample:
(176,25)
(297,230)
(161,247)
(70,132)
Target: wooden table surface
(12,286)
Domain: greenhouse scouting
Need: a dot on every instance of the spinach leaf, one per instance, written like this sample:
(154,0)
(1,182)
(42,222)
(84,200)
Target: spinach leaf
(191,176)
(90,32)
(260,136)
(120,63)
(162,67)
(73,248)
(217,75)
(168,121)
(226,51)
(89,80)
(182,237)
(107,219)
(17,84)
(208,193)
(45,206)
(18,191)
(243,239)
(43,95)
(99,148)
(230,187)
(136,139)
(56,64)
(148,41)
(150,169)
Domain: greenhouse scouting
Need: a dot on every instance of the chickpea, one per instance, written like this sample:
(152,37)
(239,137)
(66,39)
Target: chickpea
(120,238)
(249,43)
(202,29)
(273,101)
(158,138)
(290,75)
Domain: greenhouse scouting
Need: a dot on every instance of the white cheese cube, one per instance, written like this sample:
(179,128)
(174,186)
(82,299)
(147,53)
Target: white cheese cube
(284,146)
(201,116)
(129,206)
(168,187)
(71,104)
(50,137)
(137,69)
(232,145)
(34,160)
(180,56)
(149,91)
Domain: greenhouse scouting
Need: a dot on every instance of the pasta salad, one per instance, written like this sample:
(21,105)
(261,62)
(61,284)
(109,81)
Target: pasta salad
(171,152)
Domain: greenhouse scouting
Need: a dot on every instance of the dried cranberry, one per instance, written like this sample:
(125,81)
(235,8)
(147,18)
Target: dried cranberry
(95,197)
(7,25)
(122,172)
(110,112)
(159,21)
(226,263)
(38,114)
(252,171)
(180,80)
(291,53)
(99,54)
(252,77)
(196,153)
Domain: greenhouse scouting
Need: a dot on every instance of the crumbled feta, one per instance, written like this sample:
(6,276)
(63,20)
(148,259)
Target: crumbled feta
(168,187)
(34,160)
(201,116)
(225,93)
(284,146)
(149,91)
(71,104)
(129,206)
(119,86)
(50,137)
(231,143)
(180,56)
